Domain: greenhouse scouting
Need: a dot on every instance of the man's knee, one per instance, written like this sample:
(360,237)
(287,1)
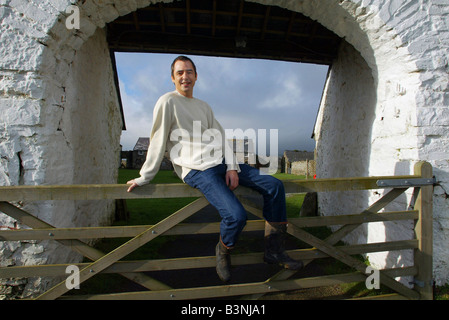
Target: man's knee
(241,217)
(276,188)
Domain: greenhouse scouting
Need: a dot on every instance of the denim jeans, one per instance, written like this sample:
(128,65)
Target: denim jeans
(212,184)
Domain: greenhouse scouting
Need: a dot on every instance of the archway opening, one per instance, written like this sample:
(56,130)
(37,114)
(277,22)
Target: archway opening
(344,120)
(247,94)
(275,91)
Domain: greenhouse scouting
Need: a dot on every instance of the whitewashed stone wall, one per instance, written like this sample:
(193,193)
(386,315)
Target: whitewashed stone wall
(59,119)
(60,123)
(343,131)
(404,44)
(348,109)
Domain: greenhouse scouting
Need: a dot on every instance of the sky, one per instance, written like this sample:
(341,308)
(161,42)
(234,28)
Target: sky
(243,93)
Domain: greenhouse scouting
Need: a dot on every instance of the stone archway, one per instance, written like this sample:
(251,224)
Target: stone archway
(57,119)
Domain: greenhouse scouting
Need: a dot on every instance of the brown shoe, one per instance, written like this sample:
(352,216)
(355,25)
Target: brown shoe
(223,268)
(274,247)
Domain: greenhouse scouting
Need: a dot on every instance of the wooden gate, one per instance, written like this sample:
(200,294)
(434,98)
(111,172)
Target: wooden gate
(421,182)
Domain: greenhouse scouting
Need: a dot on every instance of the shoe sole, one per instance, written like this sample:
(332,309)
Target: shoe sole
(284,265)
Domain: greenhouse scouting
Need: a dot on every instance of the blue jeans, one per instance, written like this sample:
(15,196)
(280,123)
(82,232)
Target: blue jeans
(212,184)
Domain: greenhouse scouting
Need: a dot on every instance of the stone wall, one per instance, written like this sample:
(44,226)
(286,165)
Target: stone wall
(306,168)
(403,47)
(348,107)
(343,134)
(60,124)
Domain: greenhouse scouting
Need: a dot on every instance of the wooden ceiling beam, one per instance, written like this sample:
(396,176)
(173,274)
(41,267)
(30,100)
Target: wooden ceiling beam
(265,22)
(136,21)
(188,22)
(162,17)
(240,15)
(276,49)
(230,27)
(164,27)
(290,25)
(214,17)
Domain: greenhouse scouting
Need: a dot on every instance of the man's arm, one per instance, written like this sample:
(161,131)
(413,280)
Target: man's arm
(156,149)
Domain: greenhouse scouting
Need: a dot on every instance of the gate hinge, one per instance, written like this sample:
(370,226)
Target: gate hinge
(413,182)
(421,283)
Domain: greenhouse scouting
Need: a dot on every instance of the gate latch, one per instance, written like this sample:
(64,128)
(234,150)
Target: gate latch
(413,182)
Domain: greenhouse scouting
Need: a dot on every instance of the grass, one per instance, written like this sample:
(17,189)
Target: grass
(150,211)
(286,176)
(442,292)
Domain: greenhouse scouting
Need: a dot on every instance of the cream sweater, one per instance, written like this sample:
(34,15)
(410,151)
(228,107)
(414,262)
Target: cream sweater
(188,130)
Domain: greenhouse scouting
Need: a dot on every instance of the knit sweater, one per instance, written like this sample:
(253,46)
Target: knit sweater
(188,130)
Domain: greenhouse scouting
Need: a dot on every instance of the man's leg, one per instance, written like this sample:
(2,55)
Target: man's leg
(271,189)
(212,184)
(274,212)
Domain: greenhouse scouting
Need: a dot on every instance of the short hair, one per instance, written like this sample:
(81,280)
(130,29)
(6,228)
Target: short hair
(181,58)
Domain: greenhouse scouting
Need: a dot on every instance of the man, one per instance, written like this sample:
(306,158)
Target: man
(177,115)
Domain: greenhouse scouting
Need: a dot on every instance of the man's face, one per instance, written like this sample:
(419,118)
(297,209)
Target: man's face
(184,78)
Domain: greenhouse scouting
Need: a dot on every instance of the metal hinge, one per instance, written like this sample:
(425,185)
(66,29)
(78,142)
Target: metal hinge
(421,283)
(413,182)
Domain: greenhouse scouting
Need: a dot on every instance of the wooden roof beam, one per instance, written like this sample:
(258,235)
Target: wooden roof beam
(290,25)
(265,22)
(214,17)
(239,20)
(136,20)
(161,17)
(188,26)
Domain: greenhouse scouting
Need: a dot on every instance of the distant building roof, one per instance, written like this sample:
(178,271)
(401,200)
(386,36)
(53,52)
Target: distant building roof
(293,156)
(142,144)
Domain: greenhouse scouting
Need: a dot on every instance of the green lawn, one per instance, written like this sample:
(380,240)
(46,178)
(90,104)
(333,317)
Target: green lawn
(150,211)
(163,176)
(286,176)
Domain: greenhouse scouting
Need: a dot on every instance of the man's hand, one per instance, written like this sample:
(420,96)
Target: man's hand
(132,185)
(232,179)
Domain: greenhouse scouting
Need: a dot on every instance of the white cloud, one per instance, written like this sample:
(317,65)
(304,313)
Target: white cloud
(288,94)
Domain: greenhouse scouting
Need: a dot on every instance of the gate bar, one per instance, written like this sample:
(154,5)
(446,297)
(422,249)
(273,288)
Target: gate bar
(128,247)
(423,255)
(77,245)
